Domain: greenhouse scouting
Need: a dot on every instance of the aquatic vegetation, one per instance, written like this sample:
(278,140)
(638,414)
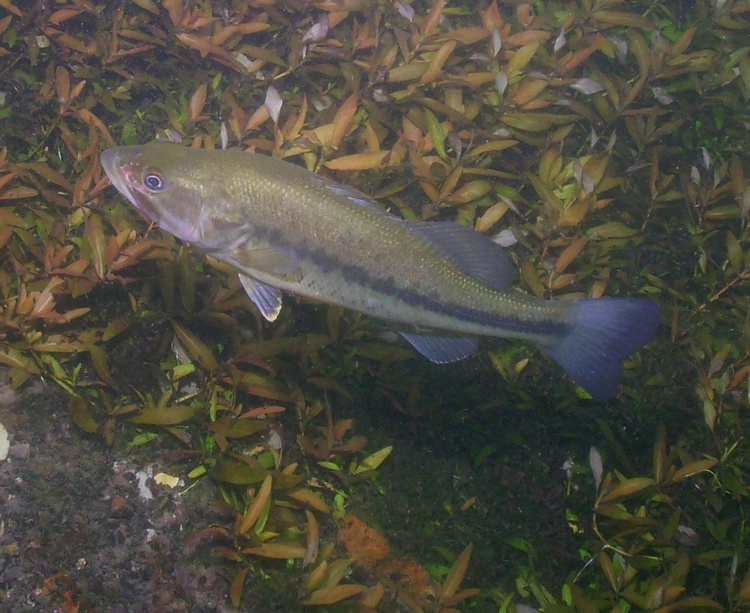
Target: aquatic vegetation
(604,144)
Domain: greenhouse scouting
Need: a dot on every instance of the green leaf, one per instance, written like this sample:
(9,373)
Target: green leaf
(372,461)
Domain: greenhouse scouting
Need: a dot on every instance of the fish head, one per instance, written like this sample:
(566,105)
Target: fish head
(178,192)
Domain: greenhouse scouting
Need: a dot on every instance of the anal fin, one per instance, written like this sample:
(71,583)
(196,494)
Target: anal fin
(442,349)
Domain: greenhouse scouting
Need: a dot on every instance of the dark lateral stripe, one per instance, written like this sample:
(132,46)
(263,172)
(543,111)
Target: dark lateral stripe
(357,275)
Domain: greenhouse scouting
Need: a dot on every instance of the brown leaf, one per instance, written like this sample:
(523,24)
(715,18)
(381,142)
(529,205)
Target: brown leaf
(197,349)
(97,244)
(99,362)
(62,85)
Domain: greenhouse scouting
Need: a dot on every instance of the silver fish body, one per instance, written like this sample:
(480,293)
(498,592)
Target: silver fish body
(441,284)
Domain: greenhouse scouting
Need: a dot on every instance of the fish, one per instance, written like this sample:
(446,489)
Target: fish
(442,286)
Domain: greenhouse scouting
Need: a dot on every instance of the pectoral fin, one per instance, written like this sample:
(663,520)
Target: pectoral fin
(442,349)
(282,262)
(265,297)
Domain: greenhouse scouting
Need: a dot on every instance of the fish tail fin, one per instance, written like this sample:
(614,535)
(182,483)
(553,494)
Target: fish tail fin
(604,332)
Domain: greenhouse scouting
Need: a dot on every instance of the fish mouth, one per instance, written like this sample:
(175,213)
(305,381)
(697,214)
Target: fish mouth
(125,177)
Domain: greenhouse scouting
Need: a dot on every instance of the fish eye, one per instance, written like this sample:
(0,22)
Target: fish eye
(154,181)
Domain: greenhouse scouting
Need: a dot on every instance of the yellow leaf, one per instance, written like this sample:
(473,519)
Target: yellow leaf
(81,414)
(313,539)
(609,570)
(694,468)
(660,453)
(470,191)
(372,461)
(495,145)
(358,161)
(62,84)
(310,498)
(166,479)
(456,574)
(331,595)
(530,122)
(15,359)
(544,191)
(151,8)
(374,596)
(528,90)
(611,229)
(282,551)
(521,58)
(692,602)
(100,364)
(743,597)
(165,416)
(491,216)
(407,72)
(436,63)
(630,487)
(531,278)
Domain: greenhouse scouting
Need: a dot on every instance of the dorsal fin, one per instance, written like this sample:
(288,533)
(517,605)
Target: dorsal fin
(472,251)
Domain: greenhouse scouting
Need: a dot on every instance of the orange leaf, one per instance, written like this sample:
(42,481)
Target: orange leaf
(256,507)
(198,101)
(570,253)
(343,120)
(238,586)
(62,85)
